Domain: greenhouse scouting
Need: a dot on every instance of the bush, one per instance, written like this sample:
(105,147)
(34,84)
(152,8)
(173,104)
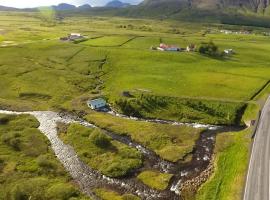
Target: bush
(100,139)
(12,140)
(44,162)
(62,191)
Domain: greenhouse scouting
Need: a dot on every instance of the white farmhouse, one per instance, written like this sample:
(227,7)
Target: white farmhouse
(96,103)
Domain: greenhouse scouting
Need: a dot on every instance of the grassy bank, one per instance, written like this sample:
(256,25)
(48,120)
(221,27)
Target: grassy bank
(182,110)
(231,163)
(28,167)
(99,151)
(170,142)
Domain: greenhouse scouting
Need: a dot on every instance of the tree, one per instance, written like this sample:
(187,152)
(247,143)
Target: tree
(209,49)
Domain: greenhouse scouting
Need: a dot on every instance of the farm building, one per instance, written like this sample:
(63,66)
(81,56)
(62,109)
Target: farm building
(72,37)
(96,103)
(228,51)
(165,47)
(75,36)
(191,47)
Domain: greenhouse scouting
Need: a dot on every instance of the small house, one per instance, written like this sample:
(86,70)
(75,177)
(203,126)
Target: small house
(96,103)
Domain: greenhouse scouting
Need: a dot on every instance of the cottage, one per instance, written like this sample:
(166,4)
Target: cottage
(96,103)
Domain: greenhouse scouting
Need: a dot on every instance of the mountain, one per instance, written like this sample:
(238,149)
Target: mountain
(4,8)
(64,6)
(253,5)
(117,4)
(84,7)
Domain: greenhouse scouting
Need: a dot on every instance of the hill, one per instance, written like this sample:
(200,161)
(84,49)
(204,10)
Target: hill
(4,8)
(237,12)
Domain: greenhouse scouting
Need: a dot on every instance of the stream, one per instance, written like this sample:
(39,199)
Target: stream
(89,179)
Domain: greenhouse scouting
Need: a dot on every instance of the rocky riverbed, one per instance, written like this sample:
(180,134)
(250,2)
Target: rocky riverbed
(88,179)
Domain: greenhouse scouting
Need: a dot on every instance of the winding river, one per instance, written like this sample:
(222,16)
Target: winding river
(88,178)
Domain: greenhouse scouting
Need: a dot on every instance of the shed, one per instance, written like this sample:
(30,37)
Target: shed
(96,103)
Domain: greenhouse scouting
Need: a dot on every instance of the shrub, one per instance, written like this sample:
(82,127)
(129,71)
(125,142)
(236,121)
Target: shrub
(100,139)
(12,140)
(44,162)
(62,191)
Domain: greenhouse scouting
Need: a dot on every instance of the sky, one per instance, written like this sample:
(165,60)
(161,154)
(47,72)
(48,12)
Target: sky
(36,3)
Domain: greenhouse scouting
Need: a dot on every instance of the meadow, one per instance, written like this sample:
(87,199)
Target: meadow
(40,72)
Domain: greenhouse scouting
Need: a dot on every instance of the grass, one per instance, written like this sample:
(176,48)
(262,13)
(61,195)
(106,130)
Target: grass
(28,167)
(181,109)
(231,163)
(100,152)
(155,180)
(110,195)
(108,41)
(170,142)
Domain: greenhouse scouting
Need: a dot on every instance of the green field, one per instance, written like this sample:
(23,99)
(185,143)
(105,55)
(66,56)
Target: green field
(40,72)
(28,167)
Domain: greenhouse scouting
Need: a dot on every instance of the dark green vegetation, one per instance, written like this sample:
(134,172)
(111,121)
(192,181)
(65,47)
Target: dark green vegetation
(28,167)
(101,152)
(210,49)
(181,109)
(170,142)
(156,180)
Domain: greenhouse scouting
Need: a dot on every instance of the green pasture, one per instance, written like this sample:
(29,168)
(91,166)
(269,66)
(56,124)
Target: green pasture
(108,41)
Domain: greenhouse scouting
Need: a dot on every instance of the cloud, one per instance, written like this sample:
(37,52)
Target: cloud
(35,3)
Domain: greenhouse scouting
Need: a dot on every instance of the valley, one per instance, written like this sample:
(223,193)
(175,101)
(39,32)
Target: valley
(179,124)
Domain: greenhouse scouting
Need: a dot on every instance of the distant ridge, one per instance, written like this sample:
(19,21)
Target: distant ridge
(117,4)
(4,8)
(84,7)
(64,6)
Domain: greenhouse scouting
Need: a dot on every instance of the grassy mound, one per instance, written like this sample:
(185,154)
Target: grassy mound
(170,142)
(155,180)
(102,153)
